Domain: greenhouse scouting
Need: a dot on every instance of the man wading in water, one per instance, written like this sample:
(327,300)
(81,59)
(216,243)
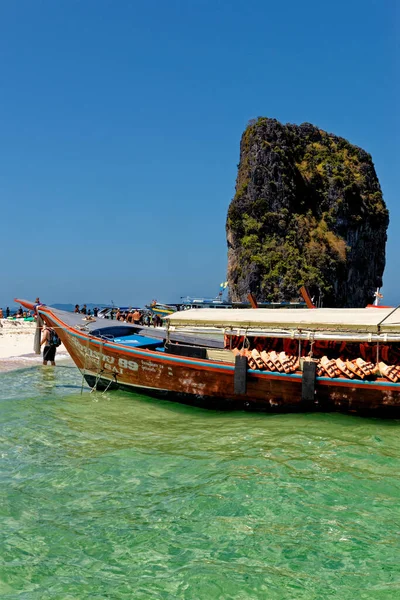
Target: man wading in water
(49,350)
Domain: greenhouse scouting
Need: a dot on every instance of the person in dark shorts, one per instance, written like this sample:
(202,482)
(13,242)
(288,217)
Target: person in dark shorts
(49,350)
(136,317)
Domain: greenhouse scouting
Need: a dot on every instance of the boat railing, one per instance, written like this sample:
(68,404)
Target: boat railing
(108,337)
(299,334)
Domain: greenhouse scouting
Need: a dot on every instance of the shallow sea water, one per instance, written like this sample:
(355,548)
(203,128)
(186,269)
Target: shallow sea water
(119,496)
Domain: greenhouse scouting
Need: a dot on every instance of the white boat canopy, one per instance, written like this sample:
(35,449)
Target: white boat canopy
(376,321)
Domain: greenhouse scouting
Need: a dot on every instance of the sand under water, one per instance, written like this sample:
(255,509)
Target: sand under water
(120,496)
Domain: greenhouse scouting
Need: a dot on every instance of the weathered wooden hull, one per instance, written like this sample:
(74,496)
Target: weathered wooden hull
(108,365)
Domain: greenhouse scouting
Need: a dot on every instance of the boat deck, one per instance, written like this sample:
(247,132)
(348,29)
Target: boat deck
(116,330)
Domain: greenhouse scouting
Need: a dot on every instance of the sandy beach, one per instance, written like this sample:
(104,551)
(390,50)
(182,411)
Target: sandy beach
(16,345)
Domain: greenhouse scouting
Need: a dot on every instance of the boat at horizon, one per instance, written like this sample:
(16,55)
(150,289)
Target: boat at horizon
(160,309)
(253,359)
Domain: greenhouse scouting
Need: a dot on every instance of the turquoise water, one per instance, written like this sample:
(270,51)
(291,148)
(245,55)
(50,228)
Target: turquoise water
(119,496)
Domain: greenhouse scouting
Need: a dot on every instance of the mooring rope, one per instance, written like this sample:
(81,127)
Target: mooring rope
(110,382)
(100,371)
(84,366)
(246,342)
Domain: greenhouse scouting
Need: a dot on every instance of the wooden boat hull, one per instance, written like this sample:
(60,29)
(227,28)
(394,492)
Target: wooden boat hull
(108,365)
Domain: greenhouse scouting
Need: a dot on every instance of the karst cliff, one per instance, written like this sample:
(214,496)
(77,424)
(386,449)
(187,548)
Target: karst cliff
(308,210)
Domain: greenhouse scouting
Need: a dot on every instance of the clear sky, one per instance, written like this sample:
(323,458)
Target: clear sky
(120,125)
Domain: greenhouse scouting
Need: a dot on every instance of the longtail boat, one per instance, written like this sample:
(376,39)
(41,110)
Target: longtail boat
(161,309)
(253,359)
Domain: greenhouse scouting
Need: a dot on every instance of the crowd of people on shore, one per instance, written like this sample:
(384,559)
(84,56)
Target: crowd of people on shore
(86,311)
(19,314)
(134,316)
(137,317)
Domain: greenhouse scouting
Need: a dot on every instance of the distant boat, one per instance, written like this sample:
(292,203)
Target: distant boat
(109,312)
(161,309)
(253,359)
(198,302)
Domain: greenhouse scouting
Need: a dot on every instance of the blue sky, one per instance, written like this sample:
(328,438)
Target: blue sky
(120,125)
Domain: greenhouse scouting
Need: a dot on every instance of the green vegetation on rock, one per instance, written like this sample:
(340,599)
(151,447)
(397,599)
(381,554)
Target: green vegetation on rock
(308,210)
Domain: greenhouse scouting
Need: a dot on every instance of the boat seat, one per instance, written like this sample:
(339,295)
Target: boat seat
(137,341)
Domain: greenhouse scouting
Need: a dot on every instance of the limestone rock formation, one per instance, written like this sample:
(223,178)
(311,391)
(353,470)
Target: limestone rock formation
(308,210)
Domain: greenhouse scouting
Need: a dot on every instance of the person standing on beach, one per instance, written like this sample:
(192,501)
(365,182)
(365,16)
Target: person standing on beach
(35,307)
(49,350)
(136,317)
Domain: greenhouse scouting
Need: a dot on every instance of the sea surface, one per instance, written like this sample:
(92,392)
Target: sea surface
(119,496)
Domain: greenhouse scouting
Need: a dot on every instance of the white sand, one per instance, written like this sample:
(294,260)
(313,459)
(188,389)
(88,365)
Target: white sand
(16,345)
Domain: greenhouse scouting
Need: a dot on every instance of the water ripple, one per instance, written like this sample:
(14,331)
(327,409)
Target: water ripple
(119,496)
